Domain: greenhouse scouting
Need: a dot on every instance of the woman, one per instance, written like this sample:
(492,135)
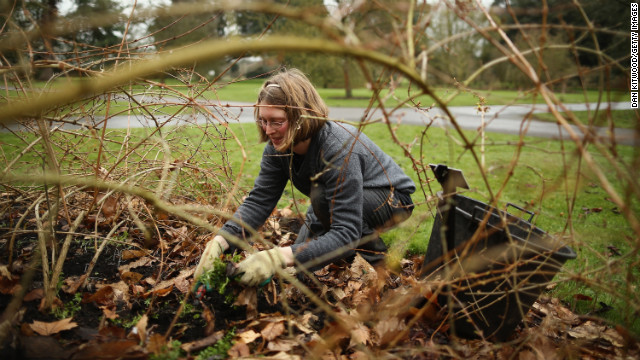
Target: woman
(354,187)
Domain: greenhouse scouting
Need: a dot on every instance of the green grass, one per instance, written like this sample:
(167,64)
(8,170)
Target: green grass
(626,119)
(247,91)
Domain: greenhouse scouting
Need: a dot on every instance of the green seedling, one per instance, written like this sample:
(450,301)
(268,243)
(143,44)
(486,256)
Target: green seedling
(170,351)
(218,350)
(216,278)
(70,308)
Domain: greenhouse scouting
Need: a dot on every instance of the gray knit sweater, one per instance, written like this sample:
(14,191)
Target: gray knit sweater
(341,158)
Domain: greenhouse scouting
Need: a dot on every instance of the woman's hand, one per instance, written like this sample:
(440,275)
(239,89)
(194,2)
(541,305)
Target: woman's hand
(215,247)
(259,268)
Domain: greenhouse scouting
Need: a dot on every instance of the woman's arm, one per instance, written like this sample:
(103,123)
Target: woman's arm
(264,196)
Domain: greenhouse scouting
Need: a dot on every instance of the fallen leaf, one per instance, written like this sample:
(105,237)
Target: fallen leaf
(388,329)
(249,298)
(109,312)
(4,271)
(131,277)
(8,285)
(239,349)
(203,343)
(46,329)
(112,332)
(144,261)
(119,349)
(104,296)
(162,292)
(35,294)
(210,317)
(360,335)
(282,345)
(133,254)
(110,207)
(156,343)
(169,283)
(248,336)
(286,212)
(26,330)
(140,330)
(582,297)
(272,330)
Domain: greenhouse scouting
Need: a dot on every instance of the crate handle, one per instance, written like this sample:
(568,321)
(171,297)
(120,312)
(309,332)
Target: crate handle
(484,211)
(523,210)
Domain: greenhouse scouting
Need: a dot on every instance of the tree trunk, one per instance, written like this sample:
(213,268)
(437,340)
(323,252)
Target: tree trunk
(347,83)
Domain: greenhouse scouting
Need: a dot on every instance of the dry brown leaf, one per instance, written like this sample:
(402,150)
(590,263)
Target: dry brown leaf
(119,349)
(46,329)
(286,212)
(156,343)
(140,330)
(239,349)
(210,317)
(282,345)
(109,312)
(388,329)
(131,277)
(360,335)
(133,254)
(177,235)
(4,271)
(162,292)
(104,296)
(35,294)
(284,356)
(171,282)
(248,336)
(26,330)
(8,285)
(272,330)
(144,261)
(303,322)
(249,297)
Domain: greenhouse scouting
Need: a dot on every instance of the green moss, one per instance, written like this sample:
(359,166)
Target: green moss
(216,278)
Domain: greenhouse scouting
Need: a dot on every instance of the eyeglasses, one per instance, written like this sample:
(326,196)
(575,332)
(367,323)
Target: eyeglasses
(275,125)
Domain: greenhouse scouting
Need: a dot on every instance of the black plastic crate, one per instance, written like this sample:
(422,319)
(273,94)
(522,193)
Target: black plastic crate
(497,264)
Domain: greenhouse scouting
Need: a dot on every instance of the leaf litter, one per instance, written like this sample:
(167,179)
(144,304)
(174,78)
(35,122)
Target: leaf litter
(137,302)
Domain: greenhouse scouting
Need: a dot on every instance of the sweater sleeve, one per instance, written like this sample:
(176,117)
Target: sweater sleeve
(343,181)
(263,198)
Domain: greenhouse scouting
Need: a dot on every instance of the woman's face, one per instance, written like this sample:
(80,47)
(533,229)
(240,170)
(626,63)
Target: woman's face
(274,123)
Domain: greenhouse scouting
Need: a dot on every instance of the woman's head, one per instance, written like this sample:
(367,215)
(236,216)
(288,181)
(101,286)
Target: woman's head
(289,96)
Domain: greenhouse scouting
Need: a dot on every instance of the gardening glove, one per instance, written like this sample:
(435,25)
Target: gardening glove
(212,251)
(259,268)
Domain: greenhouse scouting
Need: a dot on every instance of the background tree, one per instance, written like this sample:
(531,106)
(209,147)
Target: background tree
(171,32)
(612,15)
(323,70)
(454,60)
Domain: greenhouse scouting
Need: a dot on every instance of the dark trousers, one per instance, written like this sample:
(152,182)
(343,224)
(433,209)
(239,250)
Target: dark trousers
(379,211)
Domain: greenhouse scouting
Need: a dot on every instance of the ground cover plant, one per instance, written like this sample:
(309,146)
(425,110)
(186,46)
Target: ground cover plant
(112,185)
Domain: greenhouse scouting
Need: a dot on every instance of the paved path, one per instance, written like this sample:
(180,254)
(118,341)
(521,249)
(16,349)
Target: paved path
(500,119)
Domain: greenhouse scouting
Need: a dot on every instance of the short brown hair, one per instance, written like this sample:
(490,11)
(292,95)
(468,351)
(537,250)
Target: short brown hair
(305,109)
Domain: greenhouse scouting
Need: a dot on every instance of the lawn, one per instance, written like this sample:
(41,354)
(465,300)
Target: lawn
(626,119)
(247,91)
